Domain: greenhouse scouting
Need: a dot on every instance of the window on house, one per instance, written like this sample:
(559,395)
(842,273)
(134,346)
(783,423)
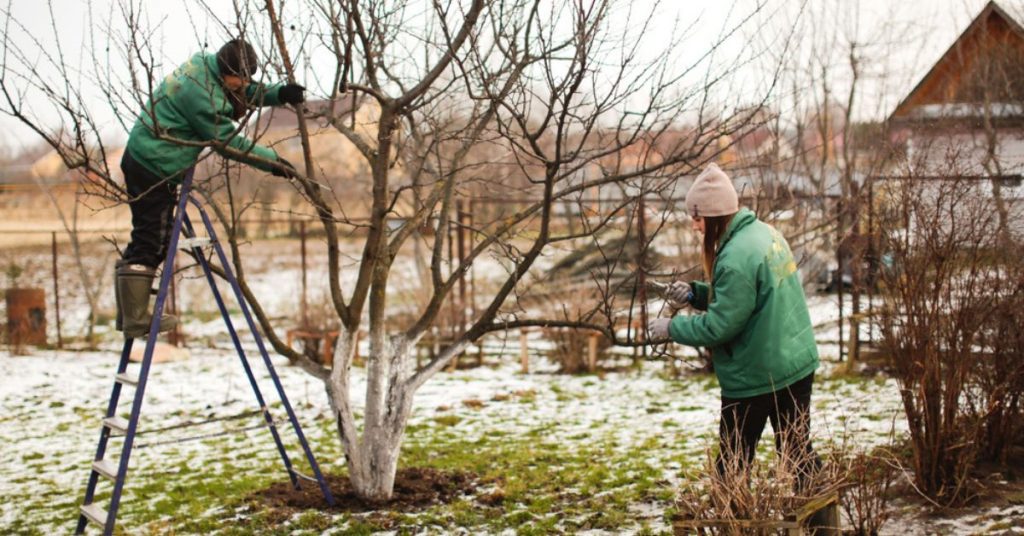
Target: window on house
(1010,181)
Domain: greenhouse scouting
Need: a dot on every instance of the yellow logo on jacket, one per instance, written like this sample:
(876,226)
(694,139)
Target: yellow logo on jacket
(780,259)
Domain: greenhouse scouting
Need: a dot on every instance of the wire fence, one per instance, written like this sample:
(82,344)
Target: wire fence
(78,277)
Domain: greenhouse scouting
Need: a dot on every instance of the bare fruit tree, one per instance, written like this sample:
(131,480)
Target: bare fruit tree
(529,108)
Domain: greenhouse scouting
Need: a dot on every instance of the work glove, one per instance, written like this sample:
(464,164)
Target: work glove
(291,94)
(284,169)
(678,294)
(657,328)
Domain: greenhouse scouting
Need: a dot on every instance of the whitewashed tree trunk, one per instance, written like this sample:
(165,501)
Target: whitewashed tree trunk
(372,457)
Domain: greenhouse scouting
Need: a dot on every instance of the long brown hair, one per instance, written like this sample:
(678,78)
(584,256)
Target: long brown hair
(714,228)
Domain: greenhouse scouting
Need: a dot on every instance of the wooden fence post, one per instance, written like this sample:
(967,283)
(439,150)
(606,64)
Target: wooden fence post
(302,248)
(524,352)
(592,352)
(56,291)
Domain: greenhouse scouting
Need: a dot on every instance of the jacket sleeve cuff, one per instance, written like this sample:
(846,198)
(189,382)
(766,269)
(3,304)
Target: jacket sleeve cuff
(255,155)
(263,95)
(700,291)
(675,329)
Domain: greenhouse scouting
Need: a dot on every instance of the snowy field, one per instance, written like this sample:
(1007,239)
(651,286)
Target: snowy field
(53,402)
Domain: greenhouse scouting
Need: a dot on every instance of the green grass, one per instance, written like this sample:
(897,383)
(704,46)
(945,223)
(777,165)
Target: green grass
(543,486)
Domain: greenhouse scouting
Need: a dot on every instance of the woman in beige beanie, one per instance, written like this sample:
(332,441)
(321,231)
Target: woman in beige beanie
(754,318)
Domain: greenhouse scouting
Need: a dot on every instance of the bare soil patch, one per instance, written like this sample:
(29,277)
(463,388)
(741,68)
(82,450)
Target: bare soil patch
(415,488)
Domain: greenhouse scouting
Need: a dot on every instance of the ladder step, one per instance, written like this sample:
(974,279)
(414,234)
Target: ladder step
(118,424)
(194,242)
(106,468)
(94,513)
(303,477)
(126,379)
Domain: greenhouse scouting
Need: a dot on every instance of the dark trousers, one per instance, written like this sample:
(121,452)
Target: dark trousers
(788,410)
(152,201)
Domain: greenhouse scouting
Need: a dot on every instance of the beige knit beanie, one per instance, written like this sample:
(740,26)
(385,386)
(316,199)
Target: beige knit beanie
(712,194)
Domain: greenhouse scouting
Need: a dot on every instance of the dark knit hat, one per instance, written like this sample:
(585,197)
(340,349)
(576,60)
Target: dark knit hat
(238,58)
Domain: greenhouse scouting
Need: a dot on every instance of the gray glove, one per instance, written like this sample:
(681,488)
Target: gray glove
(678,294)
(657,328)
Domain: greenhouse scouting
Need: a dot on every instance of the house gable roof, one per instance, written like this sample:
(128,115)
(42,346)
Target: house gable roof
(991,34)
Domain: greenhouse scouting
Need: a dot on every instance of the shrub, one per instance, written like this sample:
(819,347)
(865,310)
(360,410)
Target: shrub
(572,348)
(865,499)
(946,322)
(725,501)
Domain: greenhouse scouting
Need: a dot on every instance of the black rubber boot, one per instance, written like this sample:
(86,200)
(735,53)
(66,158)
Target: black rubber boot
(132,290)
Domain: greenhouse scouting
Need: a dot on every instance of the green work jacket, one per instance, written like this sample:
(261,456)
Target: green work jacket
(755,318)
(190,104)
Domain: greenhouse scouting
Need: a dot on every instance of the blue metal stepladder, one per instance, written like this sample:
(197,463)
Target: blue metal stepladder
(116,470)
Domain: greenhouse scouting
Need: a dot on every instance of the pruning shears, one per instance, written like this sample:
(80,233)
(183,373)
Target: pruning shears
(661,288)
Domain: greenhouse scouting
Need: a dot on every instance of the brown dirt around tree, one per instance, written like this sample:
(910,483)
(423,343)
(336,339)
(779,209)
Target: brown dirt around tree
(415,488)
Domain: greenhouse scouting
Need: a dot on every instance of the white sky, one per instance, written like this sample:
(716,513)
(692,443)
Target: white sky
(925,29)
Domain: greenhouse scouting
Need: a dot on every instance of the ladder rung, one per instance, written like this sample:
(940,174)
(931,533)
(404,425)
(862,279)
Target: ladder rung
(195,242)
(126,379)
(105,468)
(116,423)
(94,513)
(303,477)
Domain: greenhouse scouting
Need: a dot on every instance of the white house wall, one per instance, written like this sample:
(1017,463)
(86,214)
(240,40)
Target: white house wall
(964,154)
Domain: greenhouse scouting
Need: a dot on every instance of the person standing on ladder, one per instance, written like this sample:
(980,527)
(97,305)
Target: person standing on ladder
(193,108)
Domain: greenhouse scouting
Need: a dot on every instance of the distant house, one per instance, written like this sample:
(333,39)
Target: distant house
(763,147)
(17,173)
(50,169)
(965,117)
(15,176)
(338,163)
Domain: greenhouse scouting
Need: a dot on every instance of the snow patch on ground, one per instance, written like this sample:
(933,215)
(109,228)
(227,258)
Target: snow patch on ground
(54,402)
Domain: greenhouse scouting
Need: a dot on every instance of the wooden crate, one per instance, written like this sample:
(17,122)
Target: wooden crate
(793,524)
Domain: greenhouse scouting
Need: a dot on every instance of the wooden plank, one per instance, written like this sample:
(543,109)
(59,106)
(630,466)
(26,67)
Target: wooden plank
(105,468)
(813,505)
(116,423)
(94,513)
(793,522)
(737,523)
(125,378)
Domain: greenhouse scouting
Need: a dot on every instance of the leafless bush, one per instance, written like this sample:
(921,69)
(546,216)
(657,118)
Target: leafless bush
(734,498)
(998,374)
(942,304)
(317,318)
(869,478)
(572,348)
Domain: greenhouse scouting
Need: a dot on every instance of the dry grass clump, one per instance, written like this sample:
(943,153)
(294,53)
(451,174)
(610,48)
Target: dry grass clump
(732,497)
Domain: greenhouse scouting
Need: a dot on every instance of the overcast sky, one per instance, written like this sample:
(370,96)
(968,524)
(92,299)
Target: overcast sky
(927,28)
